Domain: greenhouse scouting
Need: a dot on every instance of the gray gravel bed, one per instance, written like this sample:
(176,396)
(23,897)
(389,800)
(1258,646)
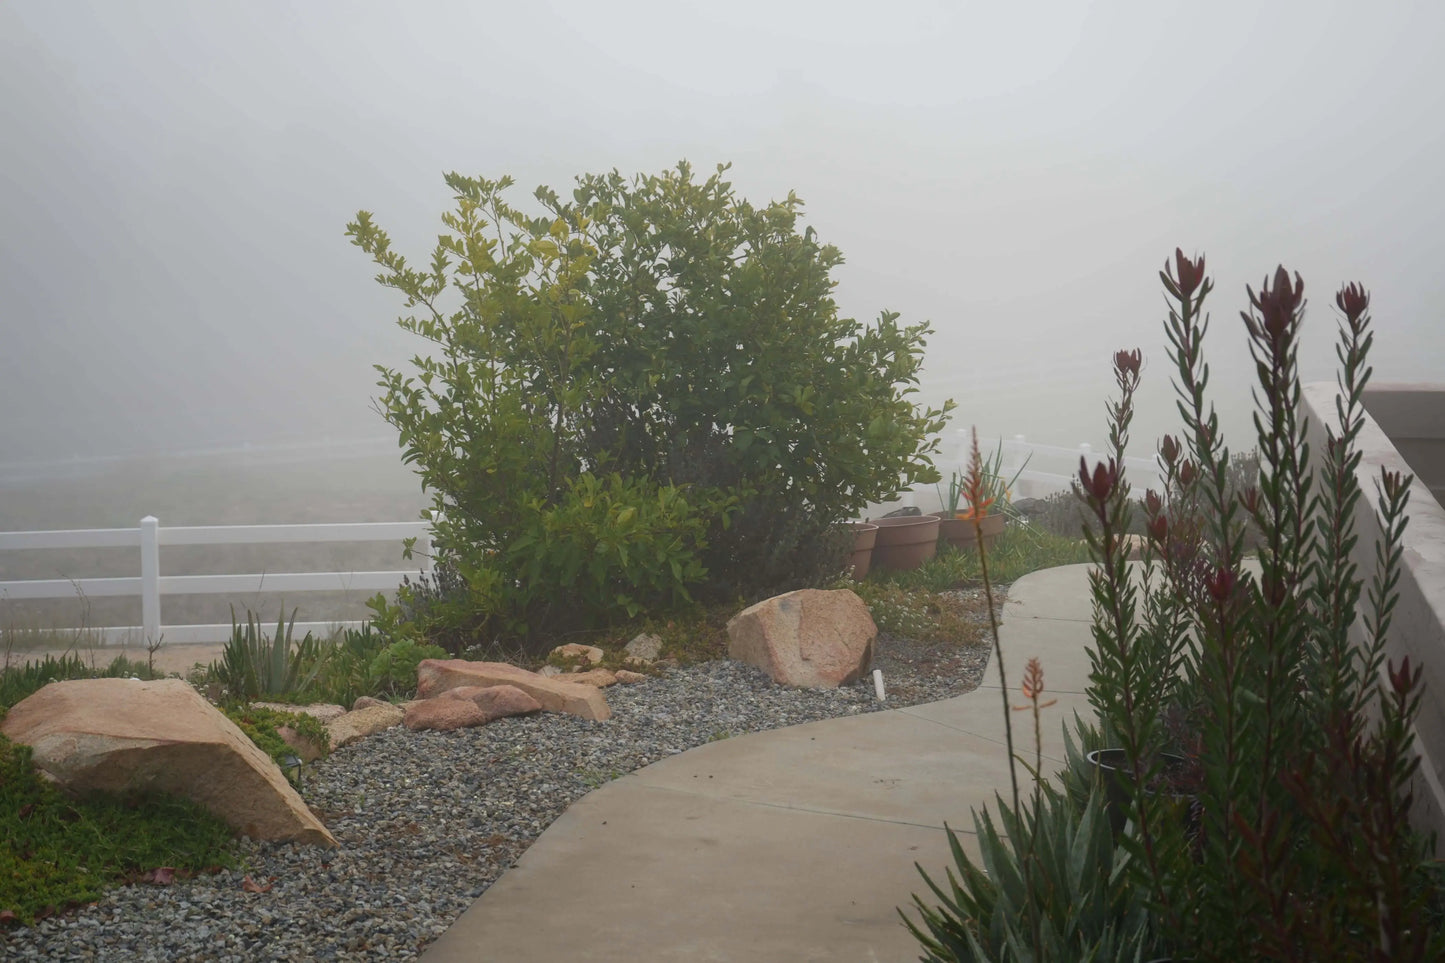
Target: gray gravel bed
(426,821)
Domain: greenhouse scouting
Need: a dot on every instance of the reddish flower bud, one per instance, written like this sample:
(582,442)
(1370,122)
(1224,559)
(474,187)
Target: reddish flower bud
(1354,300)
(1277,307)
(1189,273)
(1127,362)
(1187,473)
(1152,502)
(1249,497)
(1220,585)
(1099,485)
(1158,528)
(1169,449)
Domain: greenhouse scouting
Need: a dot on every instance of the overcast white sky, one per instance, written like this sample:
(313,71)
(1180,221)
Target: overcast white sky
(175,178)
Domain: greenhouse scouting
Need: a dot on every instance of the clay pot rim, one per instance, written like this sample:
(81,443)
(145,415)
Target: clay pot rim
(903,521)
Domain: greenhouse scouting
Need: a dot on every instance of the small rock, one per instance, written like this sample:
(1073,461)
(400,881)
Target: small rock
(496,701)
(435,676)
(645,646)
(363,701)
(636,662)
(363,722)
(304,747)
(601,678)
(574,650)
(630,678)
(322,711)
(444,715)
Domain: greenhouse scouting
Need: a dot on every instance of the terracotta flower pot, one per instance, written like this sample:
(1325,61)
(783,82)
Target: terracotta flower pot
(959,531)
(864,536)
(905,542)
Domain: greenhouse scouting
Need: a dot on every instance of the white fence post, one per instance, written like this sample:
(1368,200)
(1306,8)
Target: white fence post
(150,579)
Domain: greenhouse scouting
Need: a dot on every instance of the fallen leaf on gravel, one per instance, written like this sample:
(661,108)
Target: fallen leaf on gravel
(251,886)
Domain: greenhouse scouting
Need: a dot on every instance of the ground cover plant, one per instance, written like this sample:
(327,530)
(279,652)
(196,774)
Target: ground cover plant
(1262,805)
(642,394)
(56,851)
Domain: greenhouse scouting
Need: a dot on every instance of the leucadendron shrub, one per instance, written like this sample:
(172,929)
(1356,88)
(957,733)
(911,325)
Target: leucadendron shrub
(1297,845)
(639,396)
(1267,757)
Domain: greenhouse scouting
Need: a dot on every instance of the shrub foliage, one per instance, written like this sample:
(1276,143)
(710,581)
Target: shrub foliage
(644,391)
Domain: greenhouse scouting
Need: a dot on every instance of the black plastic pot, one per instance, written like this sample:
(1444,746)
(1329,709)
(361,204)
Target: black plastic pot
(1113,769)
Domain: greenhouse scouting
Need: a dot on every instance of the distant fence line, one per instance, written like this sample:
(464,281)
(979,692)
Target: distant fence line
(1049,468)
(150,585)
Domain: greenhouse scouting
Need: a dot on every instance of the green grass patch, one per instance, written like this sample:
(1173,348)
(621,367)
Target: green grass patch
(1021,549)
(59,852)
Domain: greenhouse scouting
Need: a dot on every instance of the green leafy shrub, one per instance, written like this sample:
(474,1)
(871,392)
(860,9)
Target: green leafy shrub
(611,544)
(392,671)
(659,340)
(56,851)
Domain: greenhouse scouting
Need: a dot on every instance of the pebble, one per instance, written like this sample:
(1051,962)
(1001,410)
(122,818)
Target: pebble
(426,821)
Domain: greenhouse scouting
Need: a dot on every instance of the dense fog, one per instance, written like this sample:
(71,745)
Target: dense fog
(177,177)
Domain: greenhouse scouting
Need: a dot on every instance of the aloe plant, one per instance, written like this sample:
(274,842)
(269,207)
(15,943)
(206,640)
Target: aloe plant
(253,665)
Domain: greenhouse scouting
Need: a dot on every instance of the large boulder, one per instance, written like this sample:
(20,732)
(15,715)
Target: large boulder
(810,638)
(367,720)
(123,735)
(435,676)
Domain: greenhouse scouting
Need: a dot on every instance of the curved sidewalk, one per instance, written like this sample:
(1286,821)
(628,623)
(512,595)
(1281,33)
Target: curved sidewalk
(791,845)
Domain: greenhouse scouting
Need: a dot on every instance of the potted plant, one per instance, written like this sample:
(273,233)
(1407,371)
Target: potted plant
(904,542)
(959,508)
(865,534)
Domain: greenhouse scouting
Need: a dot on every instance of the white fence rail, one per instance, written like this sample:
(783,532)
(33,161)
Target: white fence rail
(150,585)
(1046,468)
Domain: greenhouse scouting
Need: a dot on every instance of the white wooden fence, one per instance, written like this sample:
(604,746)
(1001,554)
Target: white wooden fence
(150,585)
(1046,468)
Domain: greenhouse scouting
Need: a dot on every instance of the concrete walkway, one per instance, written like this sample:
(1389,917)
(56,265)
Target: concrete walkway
(791,845)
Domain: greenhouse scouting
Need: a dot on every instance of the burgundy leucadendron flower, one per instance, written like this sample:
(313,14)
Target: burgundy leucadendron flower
(1188,274)
(1099,485)
(1220,585)
(1354,300)
(1159,528)
(1169,449)
(1276,306)
(1187,473)
(1127,362)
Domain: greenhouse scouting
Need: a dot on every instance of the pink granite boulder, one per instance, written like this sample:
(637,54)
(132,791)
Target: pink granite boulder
(810,638)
